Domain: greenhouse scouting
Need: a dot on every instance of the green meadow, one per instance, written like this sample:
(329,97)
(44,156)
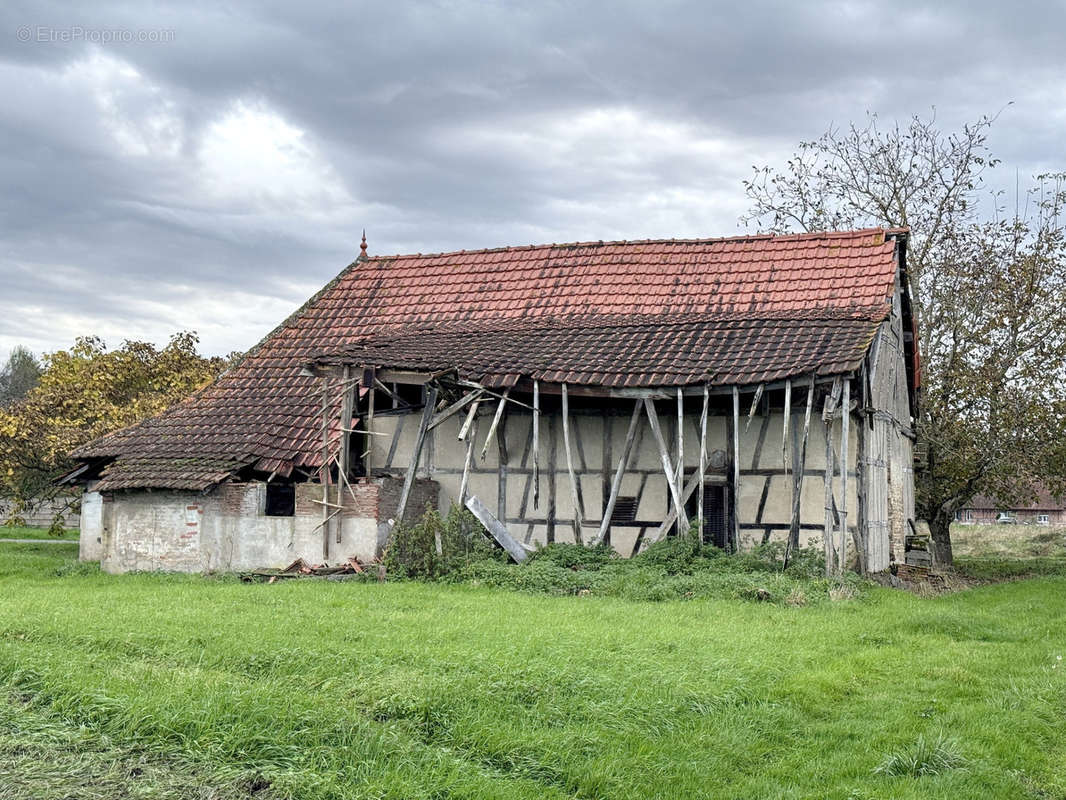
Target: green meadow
(167,686)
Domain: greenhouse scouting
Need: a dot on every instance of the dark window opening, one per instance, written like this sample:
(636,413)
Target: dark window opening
(716,513)
(280,500)
(625,511)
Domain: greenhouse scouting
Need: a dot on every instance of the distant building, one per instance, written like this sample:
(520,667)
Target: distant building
(1046,509)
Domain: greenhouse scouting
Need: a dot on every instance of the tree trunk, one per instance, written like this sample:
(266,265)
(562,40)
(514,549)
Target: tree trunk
(940,528)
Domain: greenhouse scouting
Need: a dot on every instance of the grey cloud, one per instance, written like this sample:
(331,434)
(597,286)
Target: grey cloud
(448,125)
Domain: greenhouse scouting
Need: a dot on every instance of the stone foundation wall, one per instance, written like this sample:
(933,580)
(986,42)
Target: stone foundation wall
(227,529)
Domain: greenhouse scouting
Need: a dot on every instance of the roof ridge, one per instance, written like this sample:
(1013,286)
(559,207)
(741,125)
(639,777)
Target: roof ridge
(760,237)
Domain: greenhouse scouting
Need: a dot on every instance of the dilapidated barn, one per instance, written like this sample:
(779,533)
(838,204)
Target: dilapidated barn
(757,388)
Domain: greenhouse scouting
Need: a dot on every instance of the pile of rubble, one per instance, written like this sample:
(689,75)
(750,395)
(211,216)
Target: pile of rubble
(351,569)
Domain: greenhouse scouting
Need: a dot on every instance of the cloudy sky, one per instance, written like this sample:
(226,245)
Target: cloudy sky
(209,165)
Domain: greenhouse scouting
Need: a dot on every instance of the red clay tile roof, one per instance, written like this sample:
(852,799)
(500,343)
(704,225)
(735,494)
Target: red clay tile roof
(265,414)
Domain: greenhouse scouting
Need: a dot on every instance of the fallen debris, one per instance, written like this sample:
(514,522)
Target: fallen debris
(301,569)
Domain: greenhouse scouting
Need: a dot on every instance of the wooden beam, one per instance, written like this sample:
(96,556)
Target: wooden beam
(799,467)
(829,527)
(536,444)
(754,405)
(368,459)
(346,436)
(470,414)
(623,462)
(680,469)
(785,425)
(454,408)
(495,421)
(703,462)
(553,458)
(501,469)
(409,479)
(686,493)
(664,456)
(497,529)
(845,418)
(570,468)
(736,469)
(466,464)
(323,474)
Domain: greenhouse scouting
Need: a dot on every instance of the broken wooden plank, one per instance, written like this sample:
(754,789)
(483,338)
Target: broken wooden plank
(409,478)
(574,499)
(623,461)
(495,421)
(754,405)
(497,529)
(470,414)
(664,456)
(455,408)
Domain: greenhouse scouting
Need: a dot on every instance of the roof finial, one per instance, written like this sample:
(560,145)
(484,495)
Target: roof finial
(362,248)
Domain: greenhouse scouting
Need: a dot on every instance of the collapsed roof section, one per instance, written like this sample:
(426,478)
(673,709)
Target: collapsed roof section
(623,352)
(670,312)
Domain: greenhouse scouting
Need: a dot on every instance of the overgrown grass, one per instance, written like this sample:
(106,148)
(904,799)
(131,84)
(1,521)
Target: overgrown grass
(314,689)
(677,568)
(1010,541)
(925,757)
(24,532)
(1008,552)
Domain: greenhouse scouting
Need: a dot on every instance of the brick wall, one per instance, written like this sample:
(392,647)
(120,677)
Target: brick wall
(425,494)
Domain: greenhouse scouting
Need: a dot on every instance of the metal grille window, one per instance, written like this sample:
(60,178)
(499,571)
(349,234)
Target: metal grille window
(625,510)
(716,513)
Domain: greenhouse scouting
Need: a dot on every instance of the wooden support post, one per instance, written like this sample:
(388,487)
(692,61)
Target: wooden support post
(495,421)
(686,493)
(466,464)
(323,474)
(368,460)
(680,439)
(845,418)
(574,498)
(736,469)
(346,437)
(501,470)
(829,527)
(800,466)
(409,479)
(623,462)
(703,461)
(536,443)
(785,424)
(553,459)
(664,456)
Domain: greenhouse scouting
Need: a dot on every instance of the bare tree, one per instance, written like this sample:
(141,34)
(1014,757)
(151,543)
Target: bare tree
(20,374)
(989,292)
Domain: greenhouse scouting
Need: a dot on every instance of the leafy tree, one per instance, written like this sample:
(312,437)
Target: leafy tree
(85,392)
(19,375)
(989,292)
